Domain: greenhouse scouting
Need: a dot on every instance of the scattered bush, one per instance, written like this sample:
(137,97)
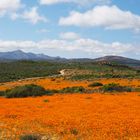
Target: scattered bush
(137,89)
(2,93)
(79,89)
(25,91)
(95,84)
(46,100)
(30,137)
(15,70)
(74,131)
(84,77)
(115,87)
(138,71)
(51,92)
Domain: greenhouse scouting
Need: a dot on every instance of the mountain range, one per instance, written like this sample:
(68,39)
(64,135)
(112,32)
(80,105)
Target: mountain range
(20,55)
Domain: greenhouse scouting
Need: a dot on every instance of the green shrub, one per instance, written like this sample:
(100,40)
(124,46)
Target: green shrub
(79,89)
(51,92)
(137,89)
(115,87)
(95,84)
(84,77)
(74,131)
(25,91)
(2,93)
(46,100)
(30,137)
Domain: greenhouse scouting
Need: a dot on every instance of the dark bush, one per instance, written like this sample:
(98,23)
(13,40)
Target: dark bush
(74,131)
(25,91)
(51,92)
(2,93)
(79,89)
(137,89)
(46,100)
(115,87)
(30,137)
(95,84)
(138,71)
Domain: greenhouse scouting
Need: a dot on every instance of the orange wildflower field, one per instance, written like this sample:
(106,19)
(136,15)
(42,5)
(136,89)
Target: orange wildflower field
(71,116)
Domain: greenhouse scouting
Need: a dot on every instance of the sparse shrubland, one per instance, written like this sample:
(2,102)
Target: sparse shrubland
(10,71)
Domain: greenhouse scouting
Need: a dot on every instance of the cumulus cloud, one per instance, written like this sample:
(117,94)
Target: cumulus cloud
(69,36)
(8,6)
(31,16)
(86,47)
(11,8)
(79,2)
(109,17)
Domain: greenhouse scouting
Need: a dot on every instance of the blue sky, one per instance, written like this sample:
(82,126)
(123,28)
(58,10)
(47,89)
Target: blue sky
(71,28)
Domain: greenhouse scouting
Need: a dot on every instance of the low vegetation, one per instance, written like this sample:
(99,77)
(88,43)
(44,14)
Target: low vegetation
(105,75)
(95,84)
(10,71)
(137,89)
(61,86)
(32,90)
(78,89)
(113,87)
(25,91)
(46,101)
(2,93)
(30,137)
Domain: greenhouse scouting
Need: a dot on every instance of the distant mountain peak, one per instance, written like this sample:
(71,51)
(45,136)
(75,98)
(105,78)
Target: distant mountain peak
(118,59)
(21,55)
(18,51)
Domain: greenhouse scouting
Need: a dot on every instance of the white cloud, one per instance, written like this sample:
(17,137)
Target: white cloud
(83,47)
(8,6)
(14,16)
(79,2)
(11,8)
(33,16)
(69,36)
(109,17)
